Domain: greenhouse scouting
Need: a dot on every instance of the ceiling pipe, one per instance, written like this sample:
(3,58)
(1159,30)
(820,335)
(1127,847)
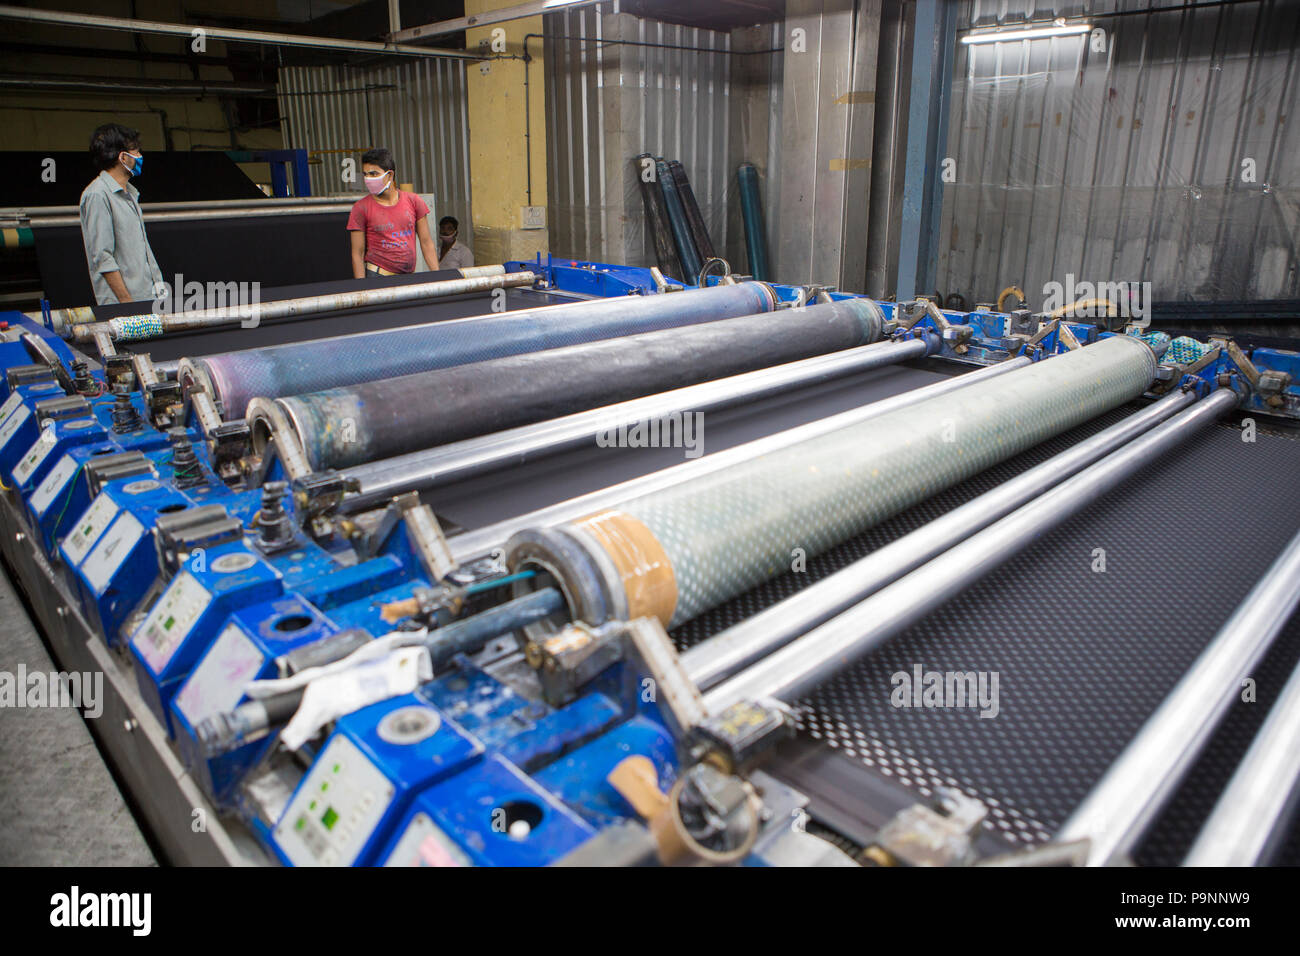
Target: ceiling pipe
(102,85)
(95,22)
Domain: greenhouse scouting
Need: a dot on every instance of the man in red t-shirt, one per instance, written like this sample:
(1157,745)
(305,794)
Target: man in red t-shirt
(385,224)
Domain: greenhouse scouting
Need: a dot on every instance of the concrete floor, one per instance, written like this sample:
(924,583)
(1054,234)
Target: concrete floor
(61,804)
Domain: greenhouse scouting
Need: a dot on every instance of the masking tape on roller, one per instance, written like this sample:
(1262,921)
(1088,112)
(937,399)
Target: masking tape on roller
(642,565)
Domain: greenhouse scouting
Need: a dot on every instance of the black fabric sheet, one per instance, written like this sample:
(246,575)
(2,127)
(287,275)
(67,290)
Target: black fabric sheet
(272,250)
(175,176)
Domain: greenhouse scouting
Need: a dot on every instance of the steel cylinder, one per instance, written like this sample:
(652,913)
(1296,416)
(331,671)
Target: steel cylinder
(294,369)
(679,552)
(347,426)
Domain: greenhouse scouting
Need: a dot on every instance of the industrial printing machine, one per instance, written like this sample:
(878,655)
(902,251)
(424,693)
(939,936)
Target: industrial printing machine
(565,563)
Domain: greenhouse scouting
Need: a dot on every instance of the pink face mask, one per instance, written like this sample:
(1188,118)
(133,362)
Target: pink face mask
(377,185)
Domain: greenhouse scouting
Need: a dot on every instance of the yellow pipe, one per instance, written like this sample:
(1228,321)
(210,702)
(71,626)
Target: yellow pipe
(1083,304)
(1015,290)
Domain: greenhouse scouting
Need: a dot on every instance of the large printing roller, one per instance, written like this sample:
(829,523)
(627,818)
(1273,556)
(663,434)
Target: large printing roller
(340,427)
(676,553)
(233,378)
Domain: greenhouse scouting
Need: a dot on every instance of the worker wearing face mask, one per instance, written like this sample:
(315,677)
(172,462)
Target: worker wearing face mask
(122,265)
(451,252)
(385,224)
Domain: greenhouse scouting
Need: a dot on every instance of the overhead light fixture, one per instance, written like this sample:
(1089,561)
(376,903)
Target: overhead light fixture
(1058,28)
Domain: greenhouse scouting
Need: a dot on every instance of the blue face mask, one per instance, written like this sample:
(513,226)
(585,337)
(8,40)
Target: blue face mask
(136,166)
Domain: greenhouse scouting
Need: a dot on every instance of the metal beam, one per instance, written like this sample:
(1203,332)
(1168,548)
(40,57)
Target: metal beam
(94,22)
(503,15)
(933,40)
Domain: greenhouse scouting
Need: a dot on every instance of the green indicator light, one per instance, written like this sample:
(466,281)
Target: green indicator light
(338,767)
(329,818)
(302,822)
(324,786)
(167,624)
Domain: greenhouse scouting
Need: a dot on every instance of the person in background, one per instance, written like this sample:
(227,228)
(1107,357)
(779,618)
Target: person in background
(452,254)
(385,224)
(122,265)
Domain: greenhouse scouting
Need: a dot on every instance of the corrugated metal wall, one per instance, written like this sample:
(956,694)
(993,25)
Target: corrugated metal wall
(1127,164)
(417,108)
(610,98)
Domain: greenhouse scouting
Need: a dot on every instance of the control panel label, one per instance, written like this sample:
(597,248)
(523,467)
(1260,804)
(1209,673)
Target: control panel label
(171,620)
(53,484)
(336,809)
(13,423)
(111,551)
(13,401)
(37,454)
(217,684)
(87,531)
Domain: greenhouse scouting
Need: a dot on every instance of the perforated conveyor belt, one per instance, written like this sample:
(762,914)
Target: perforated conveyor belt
(1083,656)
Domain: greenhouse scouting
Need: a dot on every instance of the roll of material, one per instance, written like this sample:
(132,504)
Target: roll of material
(365,422)
(686,251)
(751,209)
(657,218)
(679,552)
(691,207)
(236,377)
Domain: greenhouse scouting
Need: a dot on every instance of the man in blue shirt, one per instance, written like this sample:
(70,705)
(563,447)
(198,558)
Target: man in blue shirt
(122,266)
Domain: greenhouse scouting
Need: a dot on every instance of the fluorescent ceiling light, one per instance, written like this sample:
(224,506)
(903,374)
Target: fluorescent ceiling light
(1059,29)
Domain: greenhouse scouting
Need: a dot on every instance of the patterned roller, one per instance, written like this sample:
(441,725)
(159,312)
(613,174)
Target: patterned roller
(294,369)
(676,553)
(346,426)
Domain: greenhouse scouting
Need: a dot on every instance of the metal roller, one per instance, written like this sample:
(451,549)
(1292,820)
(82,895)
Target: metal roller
(676,553)
(152,325)
(236,377)
(373,420)
(1126,800)
(1250,822)
(61,319)
(420,471)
